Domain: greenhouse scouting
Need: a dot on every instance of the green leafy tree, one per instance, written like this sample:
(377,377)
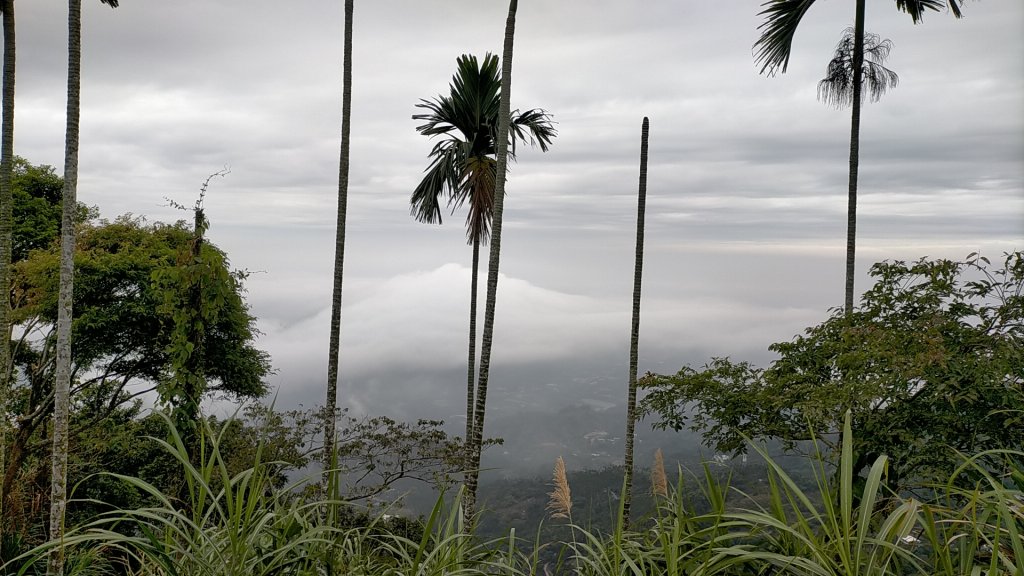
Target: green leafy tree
(36,197)
(36,206)
(195,291)
(36,194)
(127,271)
(376,453)
(845,83)
(931,364)
(463,165)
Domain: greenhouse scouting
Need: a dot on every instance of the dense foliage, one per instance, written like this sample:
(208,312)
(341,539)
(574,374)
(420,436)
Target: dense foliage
(122,330)
(242,522)
(931,365)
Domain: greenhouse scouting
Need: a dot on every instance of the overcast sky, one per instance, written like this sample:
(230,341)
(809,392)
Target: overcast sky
(747,179)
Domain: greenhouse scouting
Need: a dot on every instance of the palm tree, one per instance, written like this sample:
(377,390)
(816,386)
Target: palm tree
(6,222)
(634,335)
(62,384)
(504,117)
(782,18)
(463,166)
(841,88)
(339,243)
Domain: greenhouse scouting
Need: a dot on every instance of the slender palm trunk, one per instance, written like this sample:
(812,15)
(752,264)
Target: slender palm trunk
(339,244)
(471,371)
(504,112)
(62,385)
(6,224)
(851,212)
(634,335)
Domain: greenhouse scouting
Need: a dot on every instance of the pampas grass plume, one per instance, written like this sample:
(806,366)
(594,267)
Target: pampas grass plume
(560,504)
(659,480)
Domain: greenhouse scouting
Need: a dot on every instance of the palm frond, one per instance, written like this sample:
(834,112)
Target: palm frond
(534,126)
(478,187)
(440,118)
(836,88)
(877,78)
(782,18)
(111,3)
(463,166)
(916,8)
(471,104)
(442,179)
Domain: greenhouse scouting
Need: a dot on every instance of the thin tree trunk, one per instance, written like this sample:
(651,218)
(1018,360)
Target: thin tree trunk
(504,112)
(634,335)
(16,456)
(193,380)
(851,213)
(330,432)
(471,371)
(6,224)
(62,385)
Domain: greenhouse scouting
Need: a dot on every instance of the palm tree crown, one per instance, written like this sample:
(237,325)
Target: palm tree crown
(782,18)
(836,88)
(463,164)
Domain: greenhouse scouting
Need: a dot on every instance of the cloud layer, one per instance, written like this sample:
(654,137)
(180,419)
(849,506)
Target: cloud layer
(747,187)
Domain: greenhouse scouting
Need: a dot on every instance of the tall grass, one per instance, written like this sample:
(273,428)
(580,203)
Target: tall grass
(979,530)
(241,525)
(850,527)
(227,525)
(223,525)
(855,528)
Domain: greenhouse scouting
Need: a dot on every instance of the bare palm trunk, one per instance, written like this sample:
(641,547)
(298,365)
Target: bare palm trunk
(634,335)
(6,224)
(339,244)
(504,113)
(471,371)
(851,213)
(62,385)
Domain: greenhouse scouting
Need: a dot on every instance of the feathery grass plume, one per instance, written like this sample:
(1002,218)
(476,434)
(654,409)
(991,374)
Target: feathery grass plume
(659,480)
(560,504)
